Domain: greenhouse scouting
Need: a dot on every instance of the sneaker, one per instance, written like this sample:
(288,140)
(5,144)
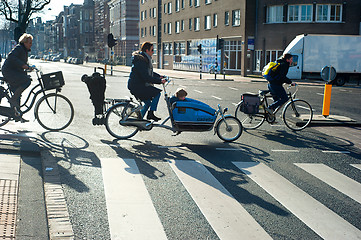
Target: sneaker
(151,116)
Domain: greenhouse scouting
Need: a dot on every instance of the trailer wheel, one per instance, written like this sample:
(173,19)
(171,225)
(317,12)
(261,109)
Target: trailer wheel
(340,81)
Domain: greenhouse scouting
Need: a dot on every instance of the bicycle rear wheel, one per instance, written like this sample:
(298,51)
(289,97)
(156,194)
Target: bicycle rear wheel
(116,114)
(250,121)
(229,129)
(54,112)
(297,114)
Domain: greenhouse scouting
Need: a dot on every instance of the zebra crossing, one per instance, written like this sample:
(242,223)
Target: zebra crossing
(131,213)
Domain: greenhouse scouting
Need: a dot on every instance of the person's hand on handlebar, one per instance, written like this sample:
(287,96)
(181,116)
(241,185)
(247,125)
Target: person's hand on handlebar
(293,84)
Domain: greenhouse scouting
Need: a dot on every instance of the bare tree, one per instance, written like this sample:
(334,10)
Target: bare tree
(20,12)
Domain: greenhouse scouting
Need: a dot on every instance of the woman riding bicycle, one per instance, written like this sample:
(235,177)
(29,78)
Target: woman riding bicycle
(142,78)
(15,66)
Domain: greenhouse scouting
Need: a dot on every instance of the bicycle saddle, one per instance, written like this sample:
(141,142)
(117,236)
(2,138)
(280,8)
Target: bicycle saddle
(263,92)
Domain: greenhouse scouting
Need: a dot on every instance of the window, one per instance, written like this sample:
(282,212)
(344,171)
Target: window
(215,20)
(329,13)
(275,14)
(154,12)
(196,3)
(177,26)
(226,18)
(182,25)
(190,24)
(196,24)
(177,3)
(170,8)
(300,13)
(183,4)
(165,28)
(165,8)
(154,31)
(207,22)
(190,3)
(170,28)
(208,1)
(236,17)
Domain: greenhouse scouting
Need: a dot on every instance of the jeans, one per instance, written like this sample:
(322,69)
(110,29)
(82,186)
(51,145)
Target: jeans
(279,95)
(152,103)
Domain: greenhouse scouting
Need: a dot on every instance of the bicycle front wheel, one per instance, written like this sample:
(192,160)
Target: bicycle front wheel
(54,112)
(115,115)
(250,121)
(229,129)
(297,114)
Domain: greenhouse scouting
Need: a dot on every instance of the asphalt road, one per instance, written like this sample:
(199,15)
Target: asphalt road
(271,183)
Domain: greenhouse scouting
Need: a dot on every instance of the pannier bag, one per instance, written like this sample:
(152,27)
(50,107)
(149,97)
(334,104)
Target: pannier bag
(269,71)
(193,115)
(250,103)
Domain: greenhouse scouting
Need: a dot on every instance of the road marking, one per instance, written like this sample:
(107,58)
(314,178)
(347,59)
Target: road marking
(356,166)
(224,213)
(315,215)
(321,94)
(235,104)
(182,86)
(235,89)
(284,150)
(131,213)
(228,149)
(346,152)
(198,91)
(218,98)
(333,178)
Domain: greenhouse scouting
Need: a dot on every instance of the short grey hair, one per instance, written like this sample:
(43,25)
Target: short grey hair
(25,37)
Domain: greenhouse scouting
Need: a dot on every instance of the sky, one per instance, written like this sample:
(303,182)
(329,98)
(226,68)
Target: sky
(56,7)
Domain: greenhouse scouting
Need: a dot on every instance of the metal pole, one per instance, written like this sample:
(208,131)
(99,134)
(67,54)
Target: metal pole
(111,62)
(200,66)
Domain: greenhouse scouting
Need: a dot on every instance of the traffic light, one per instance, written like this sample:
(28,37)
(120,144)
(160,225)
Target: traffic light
(111,40)
(199,48)
(220,43)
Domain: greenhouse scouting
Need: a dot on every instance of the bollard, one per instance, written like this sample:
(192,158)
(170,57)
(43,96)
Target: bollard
(327,100)
(105,69)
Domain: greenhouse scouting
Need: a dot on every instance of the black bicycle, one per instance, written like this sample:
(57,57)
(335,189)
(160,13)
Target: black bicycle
(297,114)
(53,111)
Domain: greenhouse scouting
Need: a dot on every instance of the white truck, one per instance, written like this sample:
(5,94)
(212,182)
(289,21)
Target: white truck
(312,52)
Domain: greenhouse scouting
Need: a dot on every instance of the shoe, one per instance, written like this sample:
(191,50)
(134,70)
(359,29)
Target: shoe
(151,116)
(20,119)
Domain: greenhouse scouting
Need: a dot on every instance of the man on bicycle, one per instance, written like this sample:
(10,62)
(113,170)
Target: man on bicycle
(278,79)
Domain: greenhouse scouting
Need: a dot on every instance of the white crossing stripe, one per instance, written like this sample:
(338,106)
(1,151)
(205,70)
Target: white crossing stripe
(325,151)
(198,91)
(235,89)
(315,215)
(131,213)
(333,178)
(356,166)
(218,98)
(284,150)
(224,213)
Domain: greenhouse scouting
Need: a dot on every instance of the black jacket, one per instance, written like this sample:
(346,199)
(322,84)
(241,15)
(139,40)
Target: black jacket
(140,79)
(12,68)
(279,77)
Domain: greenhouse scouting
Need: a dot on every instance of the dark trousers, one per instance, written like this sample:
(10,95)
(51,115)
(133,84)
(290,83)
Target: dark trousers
(279,95)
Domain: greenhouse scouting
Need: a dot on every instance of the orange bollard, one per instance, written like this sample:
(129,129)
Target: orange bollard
(327,100)
(105,69)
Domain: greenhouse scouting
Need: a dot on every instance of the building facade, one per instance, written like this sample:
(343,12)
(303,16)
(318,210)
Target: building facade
(124,25)
(279,22)
(101,29)
(254,32)
(87,29)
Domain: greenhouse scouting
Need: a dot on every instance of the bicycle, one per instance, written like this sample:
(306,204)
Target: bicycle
(297,114)
(53,111)
(123,119)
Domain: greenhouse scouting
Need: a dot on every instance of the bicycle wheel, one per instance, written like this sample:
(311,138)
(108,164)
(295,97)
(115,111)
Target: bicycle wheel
(229,129)
(250,121)
(297,114)
(4,120)
(114,115)
(54,112)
